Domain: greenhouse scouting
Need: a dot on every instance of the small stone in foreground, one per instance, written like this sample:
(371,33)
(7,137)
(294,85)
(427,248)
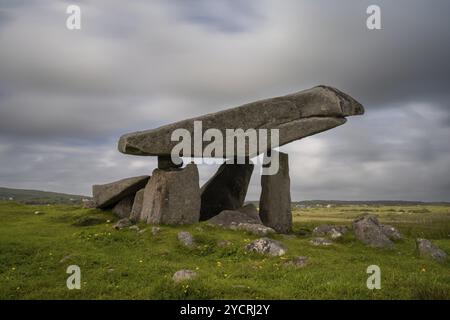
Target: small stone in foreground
(155,230)
(426,248)
(267,246)
(186,239)
(122,223)
(321,242)
(299,262)
(183,275)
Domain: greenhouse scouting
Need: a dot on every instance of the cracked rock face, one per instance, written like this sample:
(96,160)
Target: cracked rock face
(296,116)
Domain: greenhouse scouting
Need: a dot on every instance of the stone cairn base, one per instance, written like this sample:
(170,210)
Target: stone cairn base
(172,195)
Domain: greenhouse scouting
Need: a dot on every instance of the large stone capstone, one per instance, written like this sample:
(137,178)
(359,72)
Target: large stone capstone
(107,195)
(275,200)
(296,116)
(226,190)
(172,197)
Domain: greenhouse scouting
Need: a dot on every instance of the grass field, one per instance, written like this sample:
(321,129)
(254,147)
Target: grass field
(36,249)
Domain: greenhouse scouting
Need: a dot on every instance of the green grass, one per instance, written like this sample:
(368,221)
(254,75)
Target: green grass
(35,251)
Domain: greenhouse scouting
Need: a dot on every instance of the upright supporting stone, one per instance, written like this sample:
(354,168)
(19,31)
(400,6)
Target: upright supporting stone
(226,190)
(275,201)
(166,163)
(172,197)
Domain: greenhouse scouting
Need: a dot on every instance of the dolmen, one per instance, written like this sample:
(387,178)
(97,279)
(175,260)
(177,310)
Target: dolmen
(172,194)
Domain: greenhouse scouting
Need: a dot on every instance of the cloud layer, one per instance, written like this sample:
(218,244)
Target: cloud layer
(66,96)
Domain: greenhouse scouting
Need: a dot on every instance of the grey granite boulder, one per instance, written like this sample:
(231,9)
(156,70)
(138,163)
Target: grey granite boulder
(428,249)
(172,197)
(368,230)
(107,195)
(226,190)
(296,115)
(267,246)
(254,228)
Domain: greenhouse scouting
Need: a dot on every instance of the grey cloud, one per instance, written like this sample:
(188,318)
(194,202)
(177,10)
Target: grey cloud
(65,97)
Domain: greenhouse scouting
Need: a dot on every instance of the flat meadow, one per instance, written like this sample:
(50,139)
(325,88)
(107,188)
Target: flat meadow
(39,242)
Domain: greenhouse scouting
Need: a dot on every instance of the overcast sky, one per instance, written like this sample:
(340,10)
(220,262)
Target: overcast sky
(66,96)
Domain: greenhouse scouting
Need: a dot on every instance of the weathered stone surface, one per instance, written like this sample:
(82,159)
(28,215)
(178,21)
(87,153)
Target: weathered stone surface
(123,208)
(183,275)
(122,223)
(321,242)
(136,209)
(186,239)
(156,230)
(226,190)
(228,218)
(296,116)
(428,249)
(257,229)
(275,200)
(368,230)
(267,246)
(107,195)
(172,197)
(391,232)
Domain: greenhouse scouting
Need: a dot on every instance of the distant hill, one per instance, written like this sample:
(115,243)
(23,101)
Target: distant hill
(39,197)
(323,203)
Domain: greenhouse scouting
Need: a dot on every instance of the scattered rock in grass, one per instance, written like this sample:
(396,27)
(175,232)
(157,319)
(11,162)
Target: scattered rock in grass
(298,262)
(267,246)
(37,212)
(224,243)
(88,221)
(111,270)
(142,231)
(183,275)
(65,258)
(391,232)
(428,249)
(335,232)
(257,229)
(318,241)
(135,228)
(122,223)
(368,230)
(186,239)
(156,230)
